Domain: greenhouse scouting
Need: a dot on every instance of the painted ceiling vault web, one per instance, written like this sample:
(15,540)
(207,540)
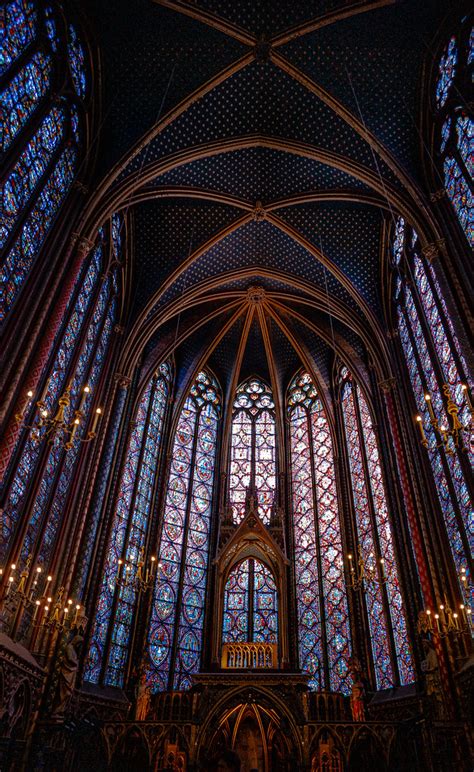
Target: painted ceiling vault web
(268,145)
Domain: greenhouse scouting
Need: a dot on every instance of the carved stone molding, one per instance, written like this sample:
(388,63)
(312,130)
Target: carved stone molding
(77,185)
(432,250)
(259,213)
(438,195)
(256,295)
(388,385)
(123,381)
(84,245)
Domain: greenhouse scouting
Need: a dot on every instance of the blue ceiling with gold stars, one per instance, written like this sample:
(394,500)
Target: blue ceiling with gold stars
(261,144)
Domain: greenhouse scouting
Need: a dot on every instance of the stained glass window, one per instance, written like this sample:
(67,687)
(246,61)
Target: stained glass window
(29,169)
(116,603)
(19,30)
(447,71)
(34,230)
(21,97)
(84,341)
(323,624)
(253,451)
(77,62)
(455,131)
(176,625)
(46,159)
(383,600)
(250,604)
(434,359)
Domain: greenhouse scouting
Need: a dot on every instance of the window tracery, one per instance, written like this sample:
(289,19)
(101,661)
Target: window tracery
(177,617)
(46,162)
(77,359)
(323,622)
(455,128)
(434,357)
(391,655)
(253,448)
(250,604)
(116,602)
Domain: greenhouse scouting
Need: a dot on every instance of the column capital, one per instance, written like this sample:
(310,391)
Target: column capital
(387,385)
(433,249)
(123,381)
(83,245)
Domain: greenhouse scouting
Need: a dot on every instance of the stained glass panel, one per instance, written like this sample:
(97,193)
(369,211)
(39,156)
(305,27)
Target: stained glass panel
(20,98)
(19,30)
(465,132)
(317,539)
(56,382)
(447,71)
(77,62)
(19,260)
(235,627)
(128,536)
(29,169)
(460,196)
(385,540)
(253,451)
(379,632)
(265,605)
(184,541)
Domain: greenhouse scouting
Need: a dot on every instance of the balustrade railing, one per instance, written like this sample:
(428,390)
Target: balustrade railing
(249,656)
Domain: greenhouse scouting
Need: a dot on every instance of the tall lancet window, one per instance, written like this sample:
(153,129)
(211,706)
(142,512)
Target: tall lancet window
(253,451)
(323,624)
(33,513)
(177,617)
(110,640)
(391,655)
(454,126)
(438,370)
(42,133)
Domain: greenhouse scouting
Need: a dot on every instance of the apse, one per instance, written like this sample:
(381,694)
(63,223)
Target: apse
(236,425)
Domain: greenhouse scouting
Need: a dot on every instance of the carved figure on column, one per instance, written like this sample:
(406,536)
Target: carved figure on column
(358,690)
(433,690)
(143,699)
(67,676)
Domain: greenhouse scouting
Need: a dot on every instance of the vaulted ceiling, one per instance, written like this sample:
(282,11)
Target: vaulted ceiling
(261,148)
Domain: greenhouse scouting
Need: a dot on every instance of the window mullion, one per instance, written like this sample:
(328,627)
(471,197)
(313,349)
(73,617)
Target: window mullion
(445,465)
(375,536)
(322,609)
(182,568)
(117,589)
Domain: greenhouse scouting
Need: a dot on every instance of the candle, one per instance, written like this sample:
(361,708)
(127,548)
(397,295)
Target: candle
(422,431)
(429,618)
(466,395)
(456,621)
(85,392)
(37,605)
(49,579)
(11,579)
(46,389)
(76,617)
(97,415)
(463,613)
(430,408)
(75,427)
(437,622)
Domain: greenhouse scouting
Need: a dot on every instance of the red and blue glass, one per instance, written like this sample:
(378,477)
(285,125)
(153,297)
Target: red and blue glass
(323,620)
(22,96)
(385,615)
(176,625)
(253,451)
(447,71)
(19,30)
